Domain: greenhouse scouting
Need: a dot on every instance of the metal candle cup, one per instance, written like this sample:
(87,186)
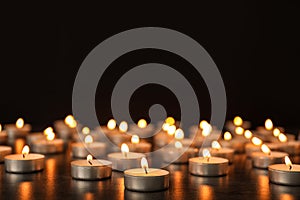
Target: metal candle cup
(4,151)
(81,150)
(153,180)
(3,137)
(32,137)
(121,162)
(14,132)
(63,130)
(16,163)
(214,166)
(281,174)
(250,148)
(48,147)
(223,153)
(142,147)
(291,147)
(99,169)
(262,160)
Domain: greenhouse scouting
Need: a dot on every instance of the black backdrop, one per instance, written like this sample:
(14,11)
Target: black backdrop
(254,44)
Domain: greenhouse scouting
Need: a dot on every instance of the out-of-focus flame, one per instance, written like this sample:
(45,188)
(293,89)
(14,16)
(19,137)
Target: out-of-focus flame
(276,132)
(135,139)
(256,141)
(206,130)
(237,121)
(20,123)
(142,123)
(239,130)
(111,124)
(203,123)
(124,149)
(215,145)
(170,121)
(123,127)
(178,145)
(282,137)
(248,134)
(264,148)
(144,164)
(25,151)
(288,162)
(269,124)
(88,139)
(227,136)
(171,130)
(179,134)
(85,130)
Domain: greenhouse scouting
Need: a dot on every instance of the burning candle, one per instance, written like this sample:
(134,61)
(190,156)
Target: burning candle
(50,145)
(18,130)
(233,143)
(125,160)
(3,136)
(207,165)
(82,150)
(114,135)
(254,146)
(178,154)
(266,157)
(4,151)
(90,169)
(25,162)
(146,179)
(217,151)
(66,128)
(285,174)
(139,147)
(291,147)
(142,129)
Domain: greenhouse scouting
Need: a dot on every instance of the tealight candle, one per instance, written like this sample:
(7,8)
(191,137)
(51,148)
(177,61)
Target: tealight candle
(3,136)
(253,147)
(285,174)
(90,169)
(66,128)
(50,145)
(217,151)
(4,151)
(18,130)
(146,179)
(139,147)
(233,143)
(116,136)
(82,150)
(207,165)
(25,162)
(33,137)
(178,154)
(266,157)
(291,147)
(125,159)
(142,129)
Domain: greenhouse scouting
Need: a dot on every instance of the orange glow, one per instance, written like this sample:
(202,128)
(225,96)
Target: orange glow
(256,141)
(227,136)
(237,121)
(269,124)
(26,189)
(165,127)
(135,139)
(282,137)
(206,130)
(276,132)
(170,121)
(20,123)
(142,123)
(248,134)
(0,128)
(111,124)
(206,192)
(239,130)
(70,121)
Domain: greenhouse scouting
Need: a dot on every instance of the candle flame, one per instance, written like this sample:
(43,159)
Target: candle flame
(142,123)
(124,149)
(70,121)
(206,130)
(256,141)
(178,145)
(248,134)
(135,139)
(288,162)
(25,151)
(269,124)
(85,130)
(20,123)
(111,124)
(227,136)
(123,127)
(89,158)
(203,123)
(165,126)
(179,134)
(237,121)
(276,132)
(88,139)
(144,164)
(206,154)
(264,148)
(171,130)
(0,128)
(49,133)
(282,137)
(239,130)
(215,145)
(170,121)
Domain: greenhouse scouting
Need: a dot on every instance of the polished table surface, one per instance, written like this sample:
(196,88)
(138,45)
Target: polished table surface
(55,182)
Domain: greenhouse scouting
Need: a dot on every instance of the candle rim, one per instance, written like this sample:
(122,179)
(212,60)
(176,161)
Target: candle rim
(271,168)
(142,174)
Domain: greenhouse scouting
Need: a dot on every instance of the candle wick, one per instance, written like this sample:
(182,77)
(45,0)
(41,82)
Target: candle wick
(207,159)
(145,168)
(23,155)
(290,167)
(90,162)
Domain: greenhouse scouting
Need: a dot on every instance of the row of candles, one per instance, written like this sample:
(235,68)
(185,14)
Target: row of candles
(213,160)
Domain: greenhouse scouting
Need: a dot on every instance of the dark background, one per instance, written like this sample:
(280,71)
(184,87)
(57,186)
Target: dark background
(254,44)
